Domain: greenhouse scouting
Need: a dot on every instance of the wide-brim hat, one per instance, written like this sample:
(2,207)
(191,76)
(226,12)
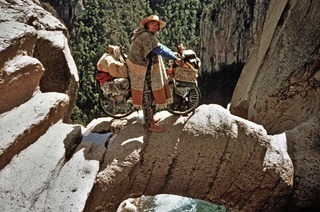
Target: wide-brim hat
(153,18)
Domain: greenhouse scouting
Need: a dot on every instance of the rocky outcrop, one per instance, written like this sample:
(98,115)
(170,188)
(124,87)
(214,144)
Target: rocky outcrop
(279,87)
(279,84)
(27,29)
(38,82)
(280,81)
(210,155)
(228,31)
(67,10)
(49,165)
(21,127)
(20,79)
(34,178)
(33,46)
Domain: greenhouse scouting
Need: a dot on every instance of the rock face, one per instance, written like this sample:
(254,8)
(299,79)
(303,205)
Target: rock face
(38,82)
(280,81)
(49,165)
(210,155)
(68,10)
(279,86)
(33,46)
(229,30)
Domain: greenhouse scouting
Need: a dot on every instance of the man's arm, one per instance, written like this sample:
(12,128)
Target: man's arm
(164,52)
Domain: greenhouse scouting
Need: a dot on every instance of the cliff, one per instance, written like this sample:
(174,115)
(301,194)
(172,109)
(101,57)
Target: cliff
(237,158)
(279,87)
(228,31)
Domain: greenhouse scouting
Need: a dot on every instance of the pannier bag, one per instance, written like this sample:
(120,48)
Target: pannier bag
(116,86)
(102,77)
(115,68)
(186,73)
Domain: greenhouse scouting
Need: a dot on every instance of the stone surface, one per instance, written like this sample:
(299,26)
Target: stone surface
(16,38)
(28,29)
(279,89)
(37,169)
(228,31)
(210,155)
(20,79)
(279,84)
(70,190)
(23,125)
(303,148)
(213,155)
(61,73)
(68,10)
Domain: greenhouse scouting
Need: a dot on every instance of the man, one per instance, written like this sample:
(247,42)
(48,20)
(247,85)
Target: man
(149,81)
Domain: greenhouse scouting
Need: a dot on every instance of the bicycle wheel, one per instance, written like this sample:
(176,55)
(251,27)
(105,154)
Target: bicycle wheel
(184,103)
(115,106)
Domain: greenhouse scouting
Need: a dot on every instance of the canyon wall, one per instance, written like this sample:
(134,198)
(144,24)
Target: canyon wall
(261,155)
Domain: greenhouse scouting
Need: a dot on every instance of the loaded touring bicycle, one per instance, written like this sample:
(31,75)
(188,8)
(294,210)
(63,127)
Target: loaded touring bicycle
(113,84)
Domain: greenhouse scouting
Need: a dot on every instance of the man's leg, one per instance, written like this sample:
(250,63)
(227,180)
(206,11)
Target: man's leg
(148,108)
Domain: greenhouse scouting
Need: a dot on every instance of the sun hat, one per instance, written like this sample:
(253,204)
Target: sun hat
(153,18)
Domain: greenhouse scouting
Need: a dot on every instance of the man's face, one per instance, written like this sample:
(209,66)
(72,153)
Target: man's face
(153,26)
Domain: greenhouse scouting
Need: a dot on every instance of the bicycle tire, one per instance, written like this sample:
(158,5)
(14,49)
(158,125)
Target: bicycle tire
(112,109)
(184,105)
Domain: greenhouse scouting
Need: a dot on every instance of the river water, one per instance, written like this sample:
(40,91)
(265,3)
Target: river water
(173,203)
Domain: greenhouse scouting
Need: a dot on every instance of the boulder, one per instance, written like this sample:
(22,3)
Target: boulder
(23,125)
(279,89)
(32,181)
(210,155)
(20,80)
(29,30)
(266,163)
